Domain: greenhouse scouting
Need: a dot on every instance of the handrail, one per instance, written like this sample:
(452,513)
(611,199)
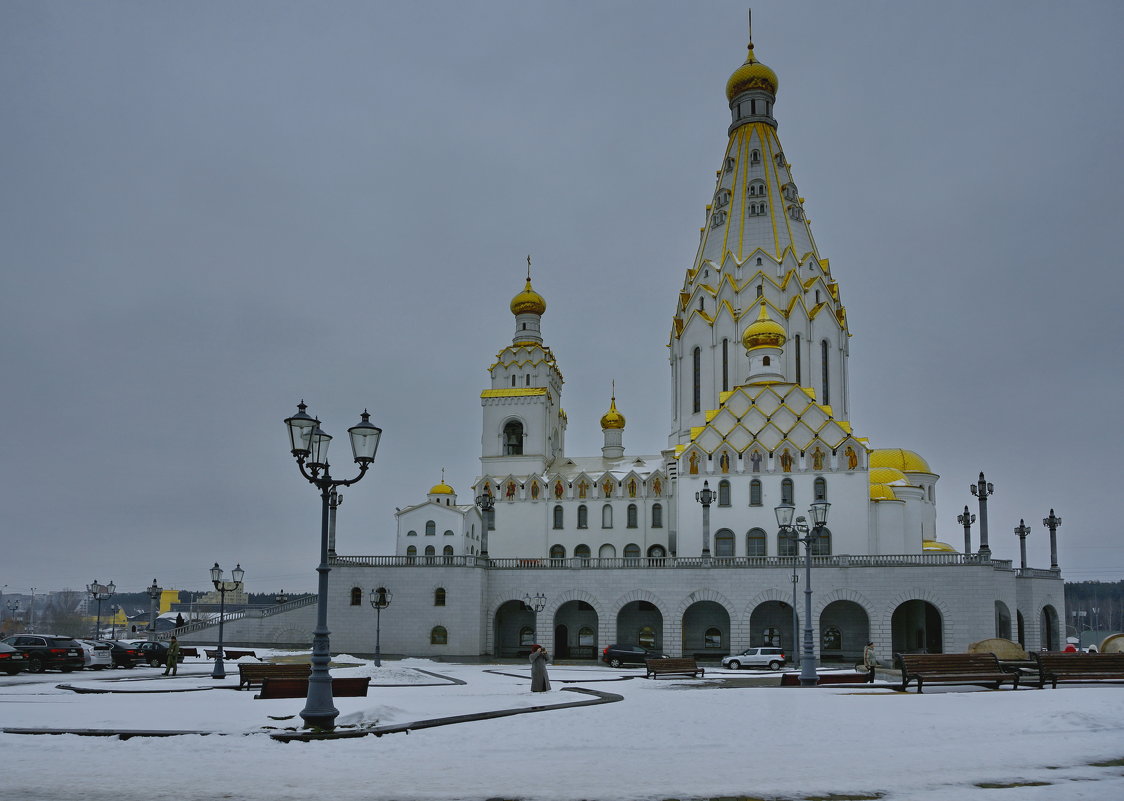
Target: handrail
(199,625)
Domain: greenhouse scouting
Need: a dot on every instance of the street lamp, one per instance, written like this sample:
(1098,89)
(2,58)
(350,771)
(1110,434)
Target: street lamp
(536,603)
(13,607)
(487,503)
(154,592)
(100,592)
(281,598)
(982,489)
(705,496)
(309,446)
(113,621)
(818,511)
(1053,522)
(966,520)
(380,600)
(1022,529)
(223,588)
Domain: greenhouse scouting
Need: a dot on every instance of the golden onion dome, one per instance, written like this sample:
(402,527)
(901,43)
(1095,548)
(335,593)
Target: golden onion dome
(612,418)
(934,545)
(887,475)
(751,75)
(906,461)
(528,301)
(442,489)
(764,333)
(881,492)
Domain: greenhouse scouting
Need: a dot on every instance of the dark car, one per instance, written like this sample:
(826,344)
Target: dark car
(47,652)
(124,655)
(155,653)
(12,660)
(617,655)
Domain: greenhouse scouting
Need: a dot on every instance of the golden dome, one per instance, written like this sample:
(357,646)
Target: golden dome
(528,301)
(764,333)
(887,475)
(751,75)
(906,461)
(442,489)
(933,545)
(881,492)
(612,418)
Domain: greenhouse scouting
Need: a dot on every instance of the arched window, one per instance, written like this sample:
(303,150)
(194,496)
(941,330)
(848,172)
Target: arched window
(411,533)
(438,636)
(755,492)
(357,596)
(821,545)
(786,544)
(819,488)
(657,515)
(447,553)
(581,552)
(760,290)
(585,637)
(824,373)
(712,638)
(723,493)
(796,346)
(724,542)
(606,516)
(755,157)
(729,164)
(631,518)
(513,381)
(526,636)
(412,551)
(439,596)
(786,492)
(657,552)
(557,552)
(696,368)
(755,542)
(758,261)
(607,551)
(430,528)
(513,438)
(448,532)
(725,364)
(558,516)
(430,552)
(583,516)
(632,551)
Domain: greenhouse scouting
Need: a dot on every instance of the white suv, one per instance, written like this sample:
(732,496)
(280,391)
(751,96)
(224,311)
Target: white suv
(772,658)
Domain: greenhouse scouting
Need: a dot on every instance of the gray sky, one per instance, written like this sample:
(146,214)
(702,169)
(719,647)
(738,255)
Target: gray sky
(211,210)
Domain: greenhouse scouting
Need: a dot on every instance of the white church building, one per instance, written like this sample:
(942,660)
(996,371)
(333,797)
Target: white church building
(616,544)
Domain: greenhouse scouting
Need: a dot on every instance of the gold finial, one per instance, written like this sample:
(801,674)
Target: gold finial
(442,475)
(528,267)
(749,13)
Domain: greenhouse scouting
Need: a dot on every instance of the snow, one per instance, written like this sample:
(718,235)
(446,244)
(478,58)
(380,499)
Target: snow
(668,738)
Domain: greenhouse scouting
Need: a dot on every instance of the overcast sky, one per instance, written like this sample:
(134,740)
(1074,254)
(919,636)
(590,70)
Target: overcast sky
(209,211)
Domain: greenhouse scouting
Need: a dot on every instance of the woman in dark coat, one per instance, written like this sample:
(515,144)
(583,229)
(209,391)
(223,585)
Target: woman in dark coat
(540,682)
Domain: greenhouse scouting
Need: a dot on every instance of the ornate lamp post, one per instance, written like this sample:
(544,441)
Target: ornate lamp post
(705,496)
(966,520)
(486,503)
(154,591)
(100,592)
(223,588)
(818,511)
(1022,529)
(310,448)
(13,606)
(281,598)
(536,603)
(981,489)
(380,600)
(1053,522)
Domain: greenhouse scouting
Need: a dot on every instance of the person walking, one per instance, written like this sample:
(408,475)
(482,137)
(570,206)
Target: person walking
(173,662)
(870,659)
(540,682)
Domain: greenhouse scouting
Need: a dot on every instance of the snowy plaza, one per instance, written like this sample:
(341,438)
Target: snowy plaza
(665,738)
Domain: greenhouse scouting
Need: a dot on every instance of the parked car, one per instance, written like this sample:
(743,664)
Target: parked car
(48,652)
(12,660)
(617,655)
(95,654)
(123,654)
(772,658)
(155,653)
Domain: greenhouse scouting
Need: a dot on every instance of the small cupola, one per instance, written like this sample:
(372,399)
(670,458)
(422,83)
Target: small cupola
(442,493)
(763,341)
(612,426)
(528,307)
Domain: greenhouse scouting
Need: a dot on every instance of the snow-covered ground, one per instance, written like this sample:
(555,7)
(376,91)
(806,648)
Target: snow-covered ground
(668,738)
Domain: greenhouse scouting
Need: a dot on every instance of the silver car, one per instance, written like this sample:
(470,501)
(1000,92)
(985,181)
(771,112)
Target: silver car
(97,655)
(765,656)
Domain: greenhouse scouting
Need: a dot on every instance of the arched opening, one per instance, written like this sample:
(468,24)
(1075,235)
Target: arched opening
(819,489)
(916,628)
(583,516)
(632,551)
(438,636)
(631,521)
(657,552)
(787,494)
(755,492)
(1002,620)
(849,628)
(514,622)
(696,376)
(657,515)
(513,438)
(447,554)
(1048,628)
(821,544)
(572,618)
(582,552)
(755,542)
(558,516)
(1021,625)
(606,516)
(771,623)
(706,630)
(557,552)
(607,551)
(640,623)
(724,489)
(439,596)
(430,528)
(724,543)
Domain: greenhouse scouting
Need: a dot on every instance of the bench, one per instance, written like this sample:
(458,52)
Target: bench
(212,653)
(190,652)
(239,654)
(1055,667)
(667,667)
(983,669)
(256,673)
(298,688)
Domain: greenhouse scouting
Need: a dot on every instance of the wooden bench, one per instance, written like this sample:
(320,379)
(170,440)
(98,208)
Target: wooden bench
(668,667)
(1054,667)
(190,652)
(212,653)
(298,688)
(239,654)
(983,669)
(257,672)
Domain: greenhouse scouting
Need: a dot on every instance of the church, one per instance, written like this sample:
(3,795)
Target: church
(679,546)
